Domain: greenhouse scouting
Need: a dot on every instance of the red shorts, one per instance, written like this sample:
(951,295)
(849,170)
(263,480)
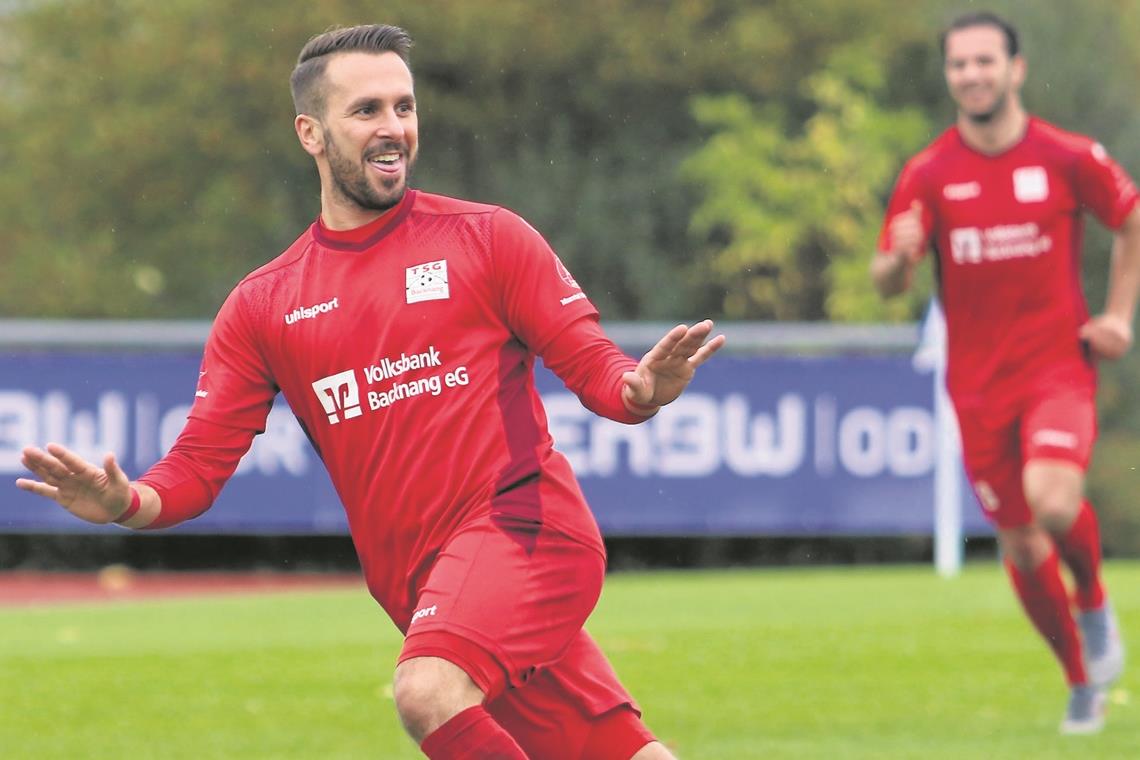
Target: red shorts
(1059,424)
(505,601)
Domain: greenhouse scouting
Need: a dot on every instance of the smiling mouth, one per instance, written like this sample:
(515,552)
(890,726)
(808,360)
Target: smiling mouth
(385,160)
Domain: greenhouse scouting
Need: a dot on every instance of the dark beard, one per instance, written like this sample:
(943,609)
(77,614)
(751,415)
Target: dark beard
(990,115)
(351,182)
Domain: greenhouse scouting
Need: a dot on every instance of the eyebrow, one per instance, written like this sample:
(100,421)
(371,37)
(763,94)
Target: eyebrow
(372,100)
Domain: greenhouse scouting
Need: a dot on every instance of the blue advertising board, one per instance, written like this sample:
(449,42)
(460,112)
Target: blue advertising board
(769,445)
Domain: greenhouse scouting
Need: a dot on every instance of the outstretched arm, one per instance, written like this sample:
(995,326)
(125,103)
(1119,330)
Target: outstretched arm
(1109,335)
(664,372)
(96,494)
(181,486)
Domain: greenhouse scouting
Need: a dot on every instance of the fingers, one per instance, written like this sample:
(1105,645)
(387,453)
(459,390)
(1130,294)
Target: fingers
(73,462)
(707,350)
(906,232)
(39,489)
(1106,336)
(684,341)
(665,347)
(115,473)
(43,465)
(693,338)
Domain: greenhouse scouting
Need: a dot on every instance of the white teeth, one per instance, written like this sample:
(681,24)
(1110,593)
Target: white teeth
(386,158)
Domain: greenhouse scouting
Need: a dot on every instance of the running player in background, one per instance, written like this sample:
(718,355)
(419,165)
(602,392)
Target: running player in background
(1000,198)
(402,328)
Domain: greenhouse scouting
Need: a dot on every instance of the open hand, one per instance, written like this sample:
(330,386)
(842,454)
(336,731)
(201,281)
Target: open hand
(97,495)
(667,368)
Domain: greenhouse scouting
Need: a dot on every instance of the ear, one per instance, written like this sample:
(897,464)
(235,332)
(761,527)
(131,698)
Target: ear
(310,133)
(1019,69)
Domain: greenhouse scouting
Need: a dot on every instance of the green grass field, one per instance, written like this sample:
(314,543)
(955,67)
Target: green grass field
(829,663)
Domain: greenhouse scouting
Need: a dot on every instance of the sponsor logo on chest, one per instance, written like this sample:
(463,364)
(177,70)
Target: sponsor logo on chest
(427,282)
(973,245)
(395,380)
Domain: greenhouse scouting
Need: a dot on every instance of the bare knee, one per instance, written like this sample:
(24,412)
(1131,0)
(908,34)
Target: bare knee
(1054,491)
(1026,547)
(429,691)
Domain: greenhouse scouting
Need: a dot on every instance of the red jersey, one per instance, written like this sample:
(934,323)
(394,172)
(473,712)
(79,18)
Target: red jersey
(406,349)
(1006,230)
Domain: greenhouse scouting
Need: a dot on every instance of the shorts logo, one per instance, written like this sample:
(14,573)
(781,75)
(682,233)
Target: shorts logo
(1030,184)
(1061,439)
(962,191)
(425,612)
(339,394)
(427,282)
(987,496)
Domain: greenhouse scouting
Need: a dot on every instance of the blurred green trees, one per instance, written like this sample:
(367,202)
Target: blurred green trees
(727,157)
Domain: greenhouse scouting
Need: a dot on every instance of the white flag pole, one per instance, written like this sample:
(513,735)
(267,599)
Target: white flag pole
(931,356)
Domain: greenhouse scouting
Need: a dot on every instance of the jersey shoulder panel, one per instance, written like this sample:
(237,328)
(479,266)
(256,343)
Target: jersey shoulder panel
(934,154)
(444,205)
(256,289)
(1060,142)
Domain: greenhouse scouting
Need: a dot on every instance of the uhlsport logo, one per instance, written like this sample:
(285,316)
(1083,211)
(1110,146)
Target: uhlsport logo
(309,312)
(339,394)
(962,191)
(425,612)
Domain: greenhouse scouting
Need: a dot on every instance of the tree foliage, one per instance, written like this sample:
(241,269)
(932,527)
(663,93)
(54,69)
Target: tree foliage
(790,211)
(678,155)
(150,159)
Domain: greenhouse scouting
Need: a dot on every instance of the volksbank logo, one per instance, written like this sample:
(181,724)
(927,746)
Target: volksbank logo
(339,394)
(308,312)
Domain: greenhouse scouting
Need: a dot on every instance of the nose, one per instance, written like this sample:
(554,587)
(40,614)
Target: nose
(389,125)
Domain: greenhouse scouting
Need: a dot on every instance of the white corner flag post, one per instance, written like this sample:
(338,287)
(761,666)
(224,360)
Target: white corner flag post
(930,356)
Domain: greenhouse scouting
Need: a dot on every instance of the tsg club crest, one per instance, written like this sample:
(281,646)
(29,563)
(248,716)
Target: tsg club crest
(427,282)
(1030,184)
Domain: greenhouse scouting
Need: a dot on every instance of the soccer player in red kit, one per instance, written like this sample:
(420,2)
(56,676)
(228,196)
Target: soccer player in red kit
(999,197)
(402,327)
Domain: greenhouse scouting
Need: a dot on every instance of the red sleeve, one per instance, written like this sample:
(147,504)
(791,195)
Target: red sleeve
(1103,187)
(538,296)
(908,189)
(591,366)
(235,386)
(192,473)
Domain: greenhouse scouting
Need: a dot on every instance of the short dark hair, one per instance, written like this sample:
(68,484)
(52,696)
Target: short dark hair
(982,18)
(307,79)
